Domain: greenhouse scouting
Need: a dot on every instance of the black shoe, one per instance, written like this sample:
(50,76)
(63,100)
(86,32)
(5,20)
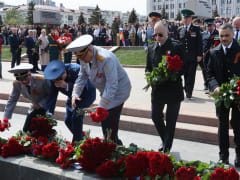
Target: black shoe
(237,159)
(223,158)
(160,149)
(189,96)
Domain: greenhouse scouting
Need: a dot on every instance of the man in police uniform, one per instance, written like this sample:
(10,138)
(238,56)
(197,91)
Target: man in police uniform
(210,37)
(168,93)
(63,77)
(104,71)
(34,88)
(155,17)
(191,38)
(223,65)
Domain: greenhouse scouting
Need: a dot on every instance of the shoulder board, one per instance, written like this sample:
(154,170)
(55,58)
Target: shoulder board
(16,81)
(99,57)
(38,77)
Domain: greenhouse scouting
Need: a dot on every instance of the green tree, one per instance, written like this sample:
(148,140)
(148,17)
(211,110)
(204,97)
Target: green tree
(96,16)
(30,13)
(1,21)
(178,16)
(81,19)
(115,29)
(215,12)
(164,14)
(13,17)
(132,17)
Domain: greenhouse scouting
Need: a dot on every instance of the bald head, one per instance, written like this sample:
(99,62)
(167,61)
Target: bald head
(161,32)
(236,23)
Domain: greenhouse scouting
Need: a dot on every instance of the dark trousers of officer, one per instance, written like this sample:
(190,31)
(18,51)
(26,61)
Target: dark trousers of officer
(67,57)
(73,120)
(166,131)
(33,59)
(16,57)
(112,123)
(190,68)
(34,113)
(223,129)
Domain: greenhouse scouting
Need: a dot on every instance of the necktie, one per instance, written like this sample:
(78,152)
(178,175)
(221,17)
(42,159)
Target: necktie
(236,36)
(227,51)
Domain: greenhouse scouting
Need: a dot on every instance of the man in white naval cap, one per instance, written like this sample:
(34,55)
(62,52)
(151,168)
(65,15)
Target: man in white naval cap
(104,71)
(35,88)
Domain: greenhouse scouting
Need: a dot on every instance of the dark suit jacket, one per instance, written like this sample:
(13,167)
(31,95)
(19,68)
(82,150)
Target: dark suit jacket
(192,40)
(218,62)
(169,91)
(14,41)
(29,43)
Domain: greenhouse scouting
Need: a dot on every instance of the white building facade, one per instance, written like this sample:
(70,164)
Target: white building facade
(172,7)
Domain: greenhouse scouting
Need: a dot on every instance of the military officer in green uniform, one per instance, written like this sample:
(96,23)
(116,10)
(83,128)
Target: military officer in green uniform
(53,46)
(33,87)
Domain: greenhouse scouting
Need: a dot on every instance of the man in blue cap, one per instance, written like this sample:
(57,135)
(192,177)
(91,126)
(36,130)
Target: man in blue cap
(63,77)
(210,38)
(191,38)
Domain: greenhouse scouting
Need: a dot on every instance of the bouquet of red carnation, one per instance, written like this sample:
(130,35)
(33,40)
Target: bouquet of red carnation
(184,173)
(4,125)
(12,148)
(167,70)
(229,93)
(66,156)
(93,152)
(97,114)
(63,41)
(42,126)
(220,173)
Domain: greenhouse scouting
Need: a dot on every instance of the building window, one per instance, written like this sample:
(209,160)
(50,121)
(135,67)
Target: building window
(166,6)
(229,1)
(154,7)
(180,5)
(229,10)
(238,1)
(159,7)
(213,2)
(172,15)
(171,6)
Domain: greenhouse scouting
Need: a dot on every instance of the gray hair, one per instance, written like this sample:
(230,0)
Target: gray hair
(226,26)
(163,23)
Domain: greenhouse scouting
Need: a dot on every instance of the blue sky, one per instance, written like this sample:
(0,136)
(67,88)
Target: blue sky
(119,5)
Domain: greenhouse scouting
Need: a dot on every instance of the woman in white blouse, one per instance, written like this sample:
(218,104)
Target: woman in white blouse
(43,50)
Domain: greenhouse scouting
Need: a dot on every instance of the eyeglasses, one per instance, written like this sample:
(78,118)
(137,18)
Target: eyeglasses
(158,34)
(22,78)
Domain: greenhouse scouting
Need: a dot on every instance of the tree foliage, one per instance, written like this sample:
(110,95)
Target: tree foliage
(164,14)
(96,16)
(215,12)
(30,13)
(81,19)
(132,17)
(13,17)
(1,21)
(178,16)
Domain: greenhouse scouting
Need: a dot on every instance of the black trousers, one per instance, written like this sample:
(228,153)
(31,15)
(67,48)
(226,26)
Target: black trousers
(34,113)
(223,128)
(16,57)
(166,131)
(190,68)
(204,71)
(111,123)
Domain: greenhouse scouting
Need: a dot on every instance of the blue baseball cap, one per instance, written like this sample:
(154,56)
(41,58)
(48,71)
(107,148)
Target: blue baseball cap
(54,70)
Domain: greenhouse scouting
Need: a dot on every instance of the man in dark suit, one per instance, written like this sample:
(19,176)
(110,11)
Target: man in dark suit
(168,92)
(15,46)
(222,66)
(30,45)
(191,38)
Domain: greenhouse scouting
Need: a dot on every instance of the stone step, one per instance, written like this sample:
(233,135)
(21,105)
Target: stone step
(186,131)
(199,119)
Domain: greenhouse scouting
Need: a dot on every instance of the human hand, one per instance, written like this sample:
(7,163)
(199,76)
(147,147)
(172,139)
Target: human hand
(216,90)
(60,84)
(74,99)
(199,58)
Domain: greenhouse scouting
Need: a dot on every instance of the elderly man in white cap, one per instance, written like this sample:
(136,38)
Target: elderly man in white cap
(35,88)
(104,71)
